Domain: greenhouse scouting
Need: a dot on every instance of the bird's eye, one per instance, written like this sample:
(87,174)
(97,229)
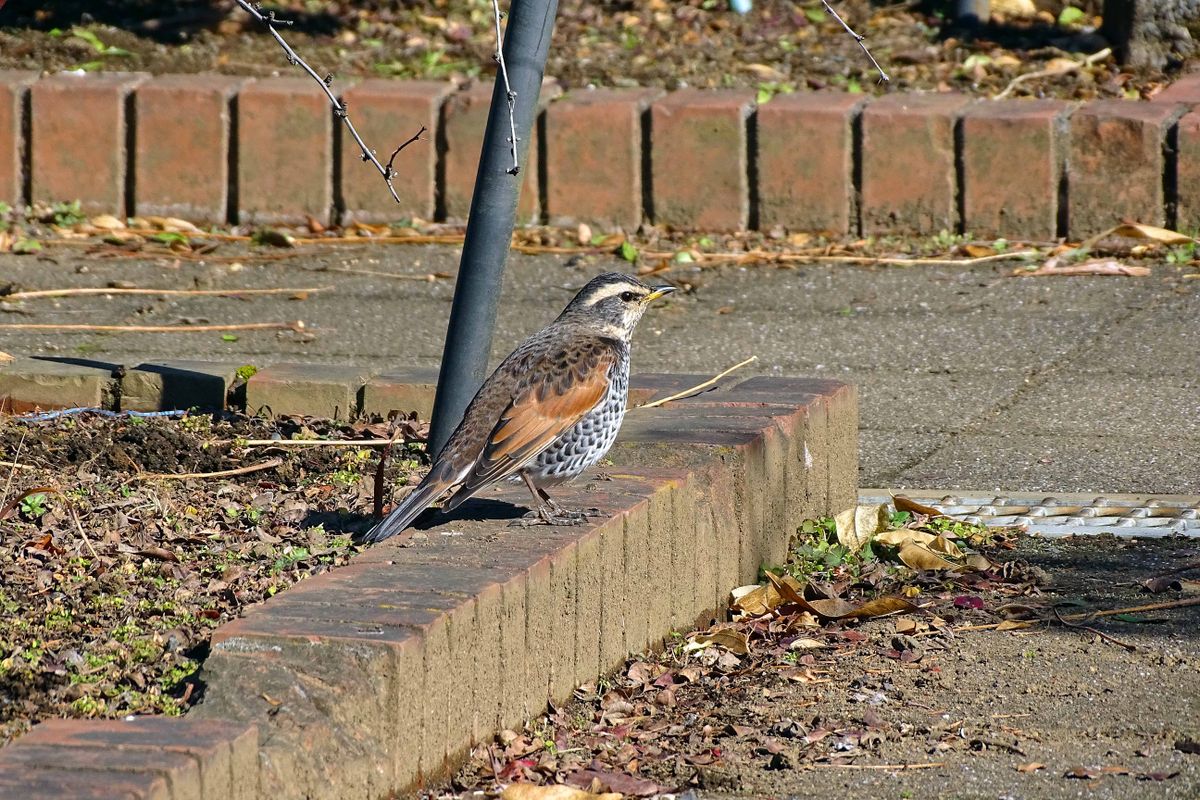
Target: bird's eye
(628,297)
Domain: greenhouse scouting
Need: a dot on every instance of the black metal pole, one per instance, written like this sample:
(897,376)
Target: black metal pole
(493,214)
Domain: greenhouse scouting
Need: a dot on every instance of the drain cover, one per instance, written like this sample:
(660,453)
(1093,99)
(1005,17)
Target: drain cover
(1063,514)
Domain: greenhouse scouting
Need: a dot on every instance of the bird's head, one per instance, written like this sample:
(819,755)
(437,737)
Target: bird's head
(613,303)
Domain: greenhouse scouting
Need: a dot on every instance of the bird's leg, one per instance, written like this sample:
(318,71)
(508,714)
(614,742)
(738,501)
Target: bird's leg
(548,512)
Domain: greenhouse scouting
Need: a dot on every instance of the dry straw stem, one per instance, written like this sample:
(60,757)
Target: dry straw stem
(40,293)
(1050,73)
(225,473)
(888,767)
(297,326)
(314,442)
(1112,612)
(339,108)
(700,386)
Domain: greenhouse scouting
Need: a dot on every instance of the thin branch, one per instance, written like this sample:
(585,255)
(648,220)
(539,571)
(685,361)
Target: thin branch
(225,473)
(508,92)
(887,767)
(1080,626)
(40,293)
(314,442)
(1054,72)
(297,326)
(1112,612)
(15,465)
(858,37)
(269,19)
(700,386)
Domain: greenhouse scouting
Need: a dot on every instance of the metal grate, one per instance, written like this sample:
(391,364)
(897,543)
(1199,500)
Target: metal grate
(1063,514)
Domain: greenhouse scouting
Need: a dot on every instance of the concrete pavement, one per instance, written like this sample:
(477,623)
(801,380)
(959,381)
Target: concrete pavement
(969,379)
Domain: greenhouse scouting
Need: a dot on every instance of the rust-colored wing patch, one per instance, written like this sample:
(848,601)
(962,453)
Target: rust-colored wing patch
(553,399)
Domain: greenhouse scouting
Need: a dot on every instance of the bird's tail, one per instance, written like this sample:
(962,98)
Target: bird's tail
(409,509)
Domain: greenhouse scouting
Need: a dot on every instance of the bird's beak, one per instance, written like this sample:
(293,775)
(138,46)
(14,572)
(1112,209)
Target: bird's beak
(658,292)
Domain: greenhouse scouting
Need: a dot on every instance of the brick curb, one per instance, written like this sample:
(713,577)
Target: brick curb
(614,158)
(379,676)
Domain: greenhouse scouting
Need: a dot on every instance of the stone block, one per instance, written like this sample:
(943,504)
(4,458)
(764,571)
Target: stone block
(1013,157)
(401,390)
(700,159)
(1115,164)
(176,384)
(594,157)
(805,162)
(14,144)
(78,140)
(311,389)
(386,114)
(27,384)
(908,163)
(182,162)
(285,152)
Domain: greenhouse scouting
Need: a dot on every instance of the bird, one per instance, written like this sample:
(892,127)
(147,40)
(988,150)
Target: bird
(550,410)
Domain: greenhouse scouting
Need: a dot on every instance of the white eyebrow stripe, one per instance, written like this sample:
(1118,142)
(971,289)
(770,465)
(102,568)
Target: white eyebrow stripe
(609,291)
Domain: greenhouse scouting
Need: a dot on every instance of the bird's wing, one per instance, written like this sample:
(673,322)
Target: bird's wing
(553,397)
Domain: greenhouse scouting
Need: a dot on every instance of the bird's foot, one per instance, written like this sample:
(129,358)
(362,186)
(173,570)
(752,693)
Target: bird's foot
(555,516)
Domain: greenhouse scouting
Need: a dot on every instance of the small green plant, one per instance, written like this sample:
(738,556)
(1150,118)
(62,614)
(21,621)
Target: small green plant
(1070,15)
(1182,253)
(246,371)
(629,252)
(100,47)
(67,214)
(33,506)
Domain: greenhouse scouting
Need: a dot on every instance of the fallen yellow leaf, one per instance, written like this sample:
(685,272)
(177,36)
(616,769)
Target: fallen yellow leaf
(530,791)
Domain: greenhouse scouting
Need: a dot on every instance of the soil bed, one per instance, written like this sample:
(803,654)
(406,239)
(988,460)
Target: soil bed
(111,580)
(786,704)
(777,47)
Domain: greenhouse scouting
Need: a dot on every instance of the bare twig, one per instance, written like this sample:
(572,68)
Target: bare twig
(269,19)
(225,473)
(1080,626)
(858,37)
(428,277)
(40,293)
(888,767)
(1050,73)
(508,92)
(1112,612)
(700,386)
(13,466)
(297,325)
(82,535)
(315,442)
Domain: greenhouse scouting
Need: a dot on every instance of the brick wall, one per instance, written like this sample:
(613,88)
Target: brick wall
(379,676)
(210,148)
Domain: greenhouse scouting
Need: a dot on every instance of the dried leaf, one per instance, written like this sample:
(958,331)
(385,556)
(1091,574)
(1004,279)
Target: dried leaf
(1162,583)
(1095,266)
(106,222)
(529,791)
(1136,230)
(1032,766)
(756,600)
(5,357)
(918,556)
(903,503)
(727,638)
(856,526)
(902,536)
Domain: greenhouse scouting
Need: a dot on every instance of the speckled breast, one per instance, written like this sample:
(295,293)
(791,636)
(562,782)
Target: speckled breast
(587,442)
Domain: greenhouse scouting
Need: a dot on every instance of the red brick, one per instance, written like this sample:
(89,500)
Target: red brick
(403,390)
(180,772)
(78,148)
(806,161)
(1115,164)
(465,121)
(1185,90)
(182,144)
(1013,153)
(908,170)
(1188,173)
(285,152)
(14,94)
(594,157)
(219,748)
(324,390)
(386,114)
(699,158)
(28,783)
